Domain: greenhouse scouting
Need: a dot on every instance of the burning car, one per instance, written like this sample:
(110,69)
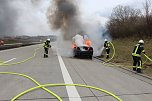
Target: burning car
(82,47)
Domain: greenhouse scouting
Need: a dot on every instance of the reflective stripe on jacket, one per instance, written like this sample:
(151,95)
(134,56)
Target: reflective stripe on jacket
(107,45)
(46,45)
(138,50)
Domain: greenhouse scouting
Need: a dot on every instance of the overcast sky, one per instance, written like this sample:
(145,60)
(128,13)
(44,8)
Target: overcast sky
(90,10)
(23,17)
(104,7)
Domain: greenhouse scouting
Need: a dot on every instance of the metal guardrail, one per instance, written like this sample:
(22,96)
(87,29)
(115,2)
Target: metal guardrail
(16,45)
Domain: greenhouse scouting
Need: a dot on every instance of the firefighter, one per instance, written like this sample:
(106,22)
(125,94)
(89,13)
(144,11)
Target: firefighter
(46,47)
(107,47)
(136,54)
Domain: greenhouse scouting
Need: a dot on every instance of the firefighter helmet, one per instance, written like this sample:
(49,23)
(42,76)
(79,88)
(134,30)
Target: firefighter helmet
(48,39)
(141,42)
(105,40)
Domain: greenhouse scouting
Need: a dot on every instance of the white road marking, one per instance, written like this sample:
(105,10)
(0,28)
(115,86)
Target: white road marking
(9,60)
(72,91)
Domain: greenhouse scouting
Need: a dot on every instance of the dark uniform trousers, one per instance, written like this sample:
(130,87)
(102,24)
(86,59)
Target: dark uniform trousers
(46,49)
(137,61)
(46,52)
(107,46)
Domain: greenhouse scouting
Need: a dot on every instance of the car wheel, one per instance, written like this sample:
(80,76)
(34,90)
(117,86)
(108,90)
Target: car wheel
(90,57)
(75,55)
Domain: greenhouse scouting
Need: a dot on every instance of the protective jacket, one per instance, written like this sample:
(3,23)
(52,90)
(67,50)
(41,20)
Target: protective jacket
(107,45)
(138,50)
(46,44)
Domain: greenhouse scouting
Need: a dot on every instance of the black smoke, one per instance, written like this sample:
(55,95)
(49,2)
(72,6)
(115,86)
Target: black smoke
(63,15)
(8,17)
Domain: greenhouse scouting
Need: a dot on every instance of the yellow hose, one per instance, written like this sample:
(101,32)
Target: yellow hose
(43,86)
(144,61)
(35,51)
(54,85)
(30,78)
(148,57)
(1,61)
(114,52)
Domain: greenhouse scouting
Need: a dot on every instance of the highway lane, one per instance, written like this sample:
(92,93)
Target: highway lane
(43,70)
(128,86)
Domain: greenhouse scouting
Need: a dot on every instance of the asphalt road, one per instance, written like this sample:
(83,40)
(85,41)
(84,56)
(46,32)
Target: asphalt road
(55,69)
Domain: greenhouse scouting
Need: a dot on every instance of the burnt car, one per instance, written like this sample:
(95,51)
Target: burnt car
(83,52)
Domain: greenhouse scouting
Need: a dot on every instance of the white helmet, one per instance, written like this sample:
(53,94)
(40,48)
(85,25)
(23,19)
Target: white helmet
(141,42)
(105,40)
(48,39)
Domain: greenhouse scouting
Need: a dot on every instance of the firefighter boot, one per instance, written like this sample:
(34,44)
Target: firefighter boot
(44,55)
(107,57)
(134,69)
(138,70)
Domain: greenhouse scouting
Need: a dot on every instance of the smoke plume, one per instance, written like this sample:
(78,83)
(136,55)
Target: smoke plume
(23,17)
(63,16)
(8,17)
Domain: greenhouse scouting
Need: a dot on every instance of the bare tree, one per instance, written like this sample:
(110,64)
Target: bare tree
(123,20)
(126,21)
(147,6)
(124,13)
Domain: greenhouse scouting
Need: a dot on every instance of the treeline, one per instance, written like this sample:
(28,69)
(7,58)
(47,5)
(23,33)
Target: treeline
(126,21)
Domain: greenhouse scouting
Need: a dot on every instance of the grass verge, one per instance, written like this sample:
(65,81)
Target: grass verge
(124,48)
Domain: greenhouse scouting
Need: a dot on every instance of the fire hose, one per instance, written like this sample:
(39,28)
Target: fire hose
(114,52)
(20,62)
(54,85)
(47,85)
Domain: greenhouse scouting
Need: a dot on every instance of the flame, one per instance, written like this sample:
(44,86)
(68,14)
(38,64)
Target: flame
(74,45)
(88,42)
